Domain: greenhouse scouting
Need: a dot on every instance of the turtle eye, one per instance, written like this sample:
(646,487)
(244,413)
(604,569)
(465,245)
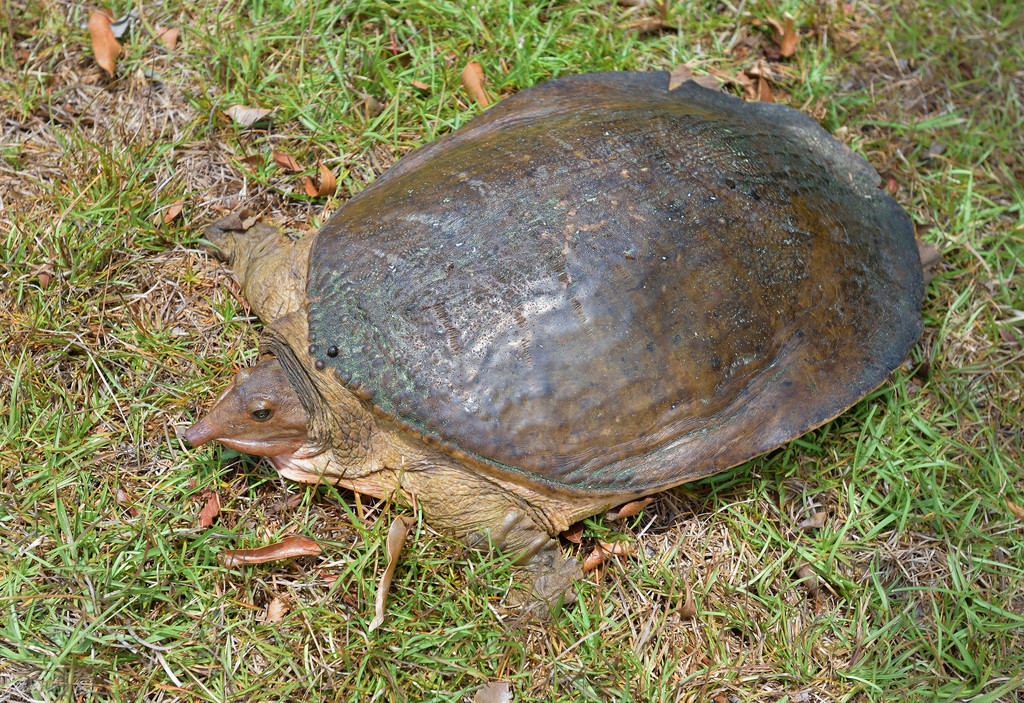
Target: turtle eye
(260,410)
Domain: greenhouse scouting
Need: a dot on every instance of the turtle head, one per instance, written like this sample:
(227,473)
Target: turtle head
(259,413)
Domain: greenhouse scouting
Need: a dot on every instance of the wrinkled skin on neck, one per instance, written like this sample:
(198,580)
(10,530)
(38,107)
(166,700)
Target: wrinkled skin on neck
(259,413)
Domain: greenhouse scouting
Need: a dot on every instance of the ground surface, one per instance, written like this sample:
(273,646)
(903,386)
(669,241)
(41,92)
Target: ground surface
(878,558)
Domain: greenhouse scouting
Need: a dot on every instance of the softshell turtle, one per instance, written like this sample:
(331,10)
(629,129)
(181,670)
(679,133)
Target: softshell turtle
(599,289)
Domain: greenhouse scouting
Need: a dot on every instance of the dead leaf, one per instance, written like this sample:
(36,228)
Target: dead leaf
(246,116)
(815,520)
(496,692)
(371,107)
(125,502)
(1017,510)
(167,214)
(288,548)
(806,575)
(785,36)
(688,610)
(286,162)
(629,509)
(211,510)
(931,257)
(472,77)
(325,185)
(43,272)
(240,220)
(168,36)
(764,90)
(397,534)
(604,550)
(276,610)
(679,75)
(104,44)
(421,86)
(575,532)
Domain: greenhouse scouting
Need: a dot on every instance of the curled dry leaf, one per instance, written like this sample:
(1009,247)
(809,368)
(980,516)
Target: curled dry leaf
(397,534)
(325,186)
(495,692)
(931,257)
(246,116)
(167,214)
(168,36)
(276,610)
(785,36)
(1017,510)
(288,548)
(806,575)
(104,44)
(211,510)
(688,610)
(472,77)
(604,550)
(679,75)
(286,162)
(125,502)
(629,509)
(240,220)
(575,532)
(815,520)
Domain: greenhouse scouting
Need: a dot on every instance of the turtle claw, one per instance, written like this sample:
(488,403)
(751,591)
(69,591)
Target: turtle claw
(549,582)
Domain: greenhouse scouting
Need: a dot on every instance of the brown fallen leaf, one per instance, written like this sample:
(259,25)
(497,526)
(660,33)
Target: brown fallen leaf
(168,36)
(104,44)
(815,520)
(240,220)
(679,75)
(495,692)
(629,509)
(211,510)
(325,185)
(575,532)
(397,534)
(1017,510)
(276,610)
(688,610)
(785,36)
(472,77)
(421,86)
(168,213)
(288,548)
(286,162)
(125,502)
(604,550)
(931,257)
(246,116)
(806,575)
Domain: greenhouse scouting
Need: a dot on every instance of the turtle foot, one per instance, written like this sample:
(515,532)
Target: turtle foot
(548,582)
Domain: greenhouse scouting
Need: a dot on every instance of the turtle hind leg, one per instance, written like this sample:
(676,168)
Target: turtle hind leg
(270,268)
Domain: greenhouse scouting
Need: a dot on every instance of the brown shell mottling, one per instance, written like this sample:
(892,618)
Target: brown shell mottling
(603,286)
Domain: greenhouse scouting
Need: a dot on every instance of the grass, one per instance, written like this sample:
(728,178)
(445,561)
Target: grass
(115,332)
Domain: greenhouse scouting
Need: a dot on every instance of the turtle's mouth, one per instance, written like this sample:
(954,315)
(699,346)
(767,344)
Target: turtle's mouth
(307,465)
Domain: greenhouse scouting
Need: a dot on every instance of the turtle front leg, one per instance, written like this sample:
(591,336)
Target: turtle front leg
(522,523)
(547,576)
(270,268)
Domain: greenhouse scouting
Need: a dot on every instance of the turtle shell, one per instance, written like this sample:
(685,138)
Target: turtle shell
(604,286)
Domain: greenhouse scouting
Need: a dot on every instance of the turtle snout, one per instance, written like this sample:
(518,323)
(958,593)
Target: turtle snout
(200,433)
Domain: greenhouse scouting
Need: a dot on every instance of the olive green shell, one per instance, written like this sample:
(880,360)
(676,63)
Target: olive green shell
(604,286)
